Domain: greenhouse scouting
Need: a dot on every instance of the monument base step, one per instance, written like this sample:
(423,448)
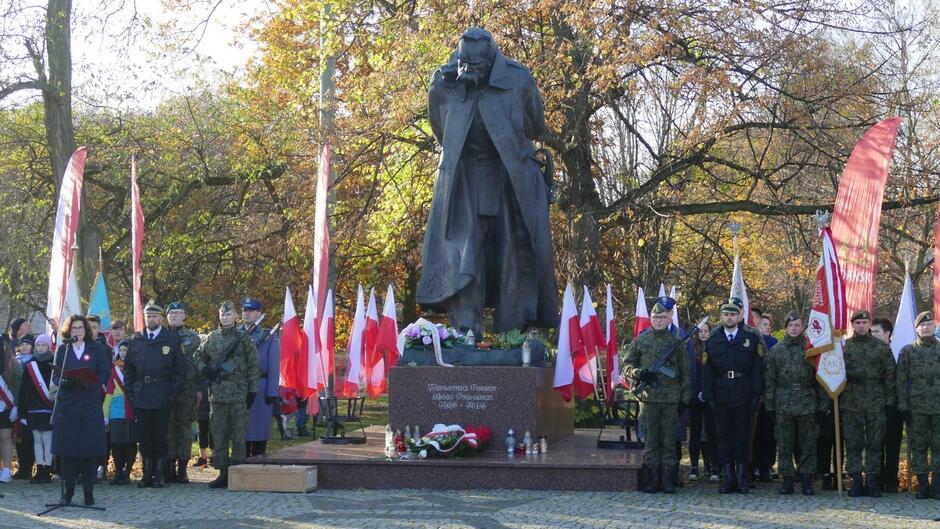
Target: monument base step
(574,463)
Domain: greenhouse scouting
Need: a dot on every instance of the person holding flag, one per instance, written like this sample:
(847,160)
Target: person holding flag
(183,409)
(918,394)
(869,392)
(663,400)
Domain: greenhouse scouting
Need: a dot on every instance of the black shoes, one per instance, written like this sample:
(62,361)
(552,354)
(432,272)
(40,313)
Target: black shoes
(221,481)
(787,486)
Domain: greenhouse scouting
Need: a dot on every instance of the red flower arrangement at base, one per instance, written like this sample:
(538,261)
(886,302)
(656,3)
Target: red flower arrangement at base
(451,441)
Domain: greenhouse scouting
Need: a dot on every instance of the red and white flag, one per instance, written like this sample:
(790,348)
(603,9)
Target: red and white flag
(641,321)
(662,290)
(354,349)
(569,345)
(321,229)
(373,360)
(593,339)
(739,290)
(290,345)
(936,271)
(613,352)
(137,247)
(67,215)
(904,332)
(675,309)
(827,319)
(72,303)
(314,380)
(328,336)
(388,331)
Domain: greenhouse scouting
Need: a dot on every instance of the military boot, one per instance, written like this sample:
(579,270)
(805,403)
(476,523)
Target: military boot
(827,482)
(221,481)
(147,479)
(669,486)
(727,483)
(181,476)
(742,479)
(874,489)
(787,486)
(653,484)
(158,472)
(169,471)
(857,488)
(808,484)
(924,491)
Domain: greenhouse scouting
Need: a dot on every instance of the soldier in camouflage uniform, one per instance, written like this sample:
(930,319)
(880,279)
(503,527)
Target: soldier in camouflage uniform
(660,407)
(918,387)
(183,408)
(231,394)
(792,397)
(869,391)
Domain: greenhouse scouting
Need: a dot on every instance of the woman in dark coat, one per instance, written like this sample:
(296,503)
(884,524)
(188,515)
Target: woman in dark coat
(78,420)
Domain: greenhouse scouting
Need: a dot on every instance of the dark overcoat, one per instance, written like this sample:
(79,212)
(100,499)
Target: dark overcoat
(78,428)
(154,370)
(269,359)
(513,112)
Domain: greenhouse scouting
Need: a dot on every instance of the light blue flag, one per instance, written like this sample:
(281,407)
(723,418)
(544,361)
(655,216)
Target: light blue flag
(99,302)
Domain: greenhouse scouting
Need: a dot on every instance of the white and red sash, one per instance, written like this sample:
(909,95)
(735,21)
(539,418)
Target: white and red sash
(33,369)
(6,396)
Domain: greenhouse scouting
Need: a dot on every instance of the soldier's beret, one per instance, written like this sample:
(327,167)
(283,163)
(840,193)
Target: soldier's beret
(667,302)
(927,315)
(176,305)
(227,306)
(251,304)
(791,316)
(861,315)
(658,308)
(152,308)
(731,307)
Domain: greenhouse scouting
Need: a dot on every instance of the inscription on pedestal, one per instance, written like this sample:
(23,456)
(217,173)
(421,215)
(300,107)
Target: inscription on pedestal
(520,398)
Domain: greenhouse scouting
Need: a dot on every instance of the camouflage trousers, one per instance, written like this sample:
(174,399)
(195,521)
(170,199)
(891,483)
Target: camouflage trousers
(180,431)
(863,432)
(925,436)
(228,422)
(796,430)
(660,422)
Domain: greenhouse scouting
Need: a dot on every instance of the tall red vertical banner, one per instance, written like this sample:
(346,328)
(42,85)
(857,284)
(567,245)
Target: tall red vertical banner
(67,214)
(137,245)
(936,271)
(857,212)
(321,230)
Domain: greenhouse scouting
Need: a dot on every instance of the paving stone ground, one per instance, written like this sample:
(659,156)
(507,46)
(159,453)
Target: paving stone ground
(195,506)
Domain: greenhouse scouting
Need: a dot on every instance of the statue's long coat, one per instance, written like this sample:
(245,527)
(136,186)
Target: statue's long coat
(513,113)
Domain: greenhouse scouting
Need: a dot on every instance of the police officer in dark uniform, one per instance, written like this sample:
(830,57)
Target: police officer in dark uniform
(733,384)
(154,371)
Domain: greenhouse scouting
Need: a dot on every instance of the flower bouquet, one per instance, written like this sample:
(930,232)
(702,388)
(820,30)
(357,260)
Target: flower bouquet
(450,441)
(417,335)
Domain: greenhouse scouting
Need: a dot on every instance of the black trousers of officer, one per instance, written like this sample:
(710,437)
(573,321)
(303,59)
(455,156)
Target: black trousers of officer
(734,428)
(892,449)
(765,446)
(152,427)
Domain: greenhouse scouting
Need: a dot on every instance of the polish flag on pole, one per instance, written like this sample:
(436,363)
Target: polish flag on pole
(137,246)
(374,359)
(290,345)
(936,271)
(642,320)
(675,311)
(904,330)
(72,304)
(321,229)
(613,354)
(827,319)
(662,290)
(569,344)
(354,349)
(67,214)
(310,372)
(328,337)
(593,339)
(739,290)
(388,332)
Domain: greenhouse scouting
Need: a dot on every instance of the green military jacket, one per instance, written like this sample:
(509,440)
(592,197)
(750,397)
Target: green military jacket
(644,351)
(190,342)
(918,377)
(234,386)
(870,375)
(790,386)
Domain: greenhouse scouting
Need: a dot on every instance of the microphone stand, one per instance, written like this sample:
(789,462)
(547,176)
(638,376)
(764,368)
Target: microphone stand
(55,403)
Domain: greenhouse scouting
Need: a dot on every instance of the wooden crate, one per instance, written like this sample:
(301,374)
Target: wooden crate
(272,478)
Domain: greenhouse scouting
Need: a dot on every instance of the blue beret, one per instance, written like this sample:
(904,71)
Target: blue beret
(667,302)
(251,304)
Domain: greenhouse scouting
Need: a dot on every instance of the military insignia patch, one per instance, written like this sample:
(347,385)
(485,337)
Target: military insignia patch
(704,357)
(166,349)
(747,342)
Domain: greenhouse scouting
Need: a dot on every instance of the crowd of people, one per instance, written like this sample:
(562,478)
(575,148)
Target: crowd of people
(750,403)
(76,402)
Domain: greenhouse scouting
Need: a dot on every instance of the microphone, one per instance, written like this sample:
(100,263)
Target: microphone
(70,340)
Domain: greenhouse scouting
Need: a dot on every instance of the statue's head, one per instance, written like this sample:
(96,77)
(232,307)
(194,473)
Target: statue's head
(476,52)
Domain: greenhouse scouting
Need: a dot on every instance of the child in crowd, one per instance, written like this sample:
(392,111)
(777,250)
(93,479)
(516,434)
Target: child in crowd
(120,418)
(11,373)
(35,403)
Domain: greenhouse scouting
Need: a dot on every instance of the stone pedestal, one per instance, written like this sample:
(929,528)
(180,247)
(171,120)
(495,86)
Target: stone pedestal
(500,398)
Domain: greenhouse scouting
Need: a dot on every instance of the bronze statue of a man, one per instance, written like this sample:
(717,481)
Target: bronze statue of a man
(488,242)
